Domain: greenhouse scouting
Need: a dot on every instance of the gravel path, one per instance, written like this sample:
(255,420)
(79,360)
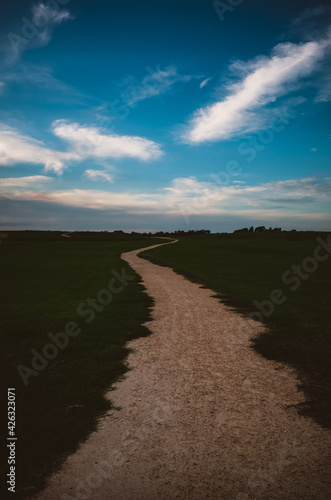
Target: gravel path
(203,415)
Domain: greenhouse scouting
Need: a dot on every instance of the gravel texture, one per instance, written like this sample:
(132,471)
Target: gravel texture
(203,415)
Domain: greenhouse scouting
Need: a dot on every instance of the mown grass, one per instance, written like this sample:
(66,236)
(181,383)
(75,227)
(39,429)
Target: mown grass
(244,268)
(44,278)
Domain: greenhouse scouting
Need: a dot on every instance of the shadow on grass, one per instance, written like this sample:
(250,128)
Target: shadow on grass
(241,269)
(44,280)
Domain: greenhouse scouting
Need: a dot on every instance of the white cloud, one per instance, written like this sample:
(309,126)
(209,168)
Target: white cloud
(35,181)
(98,175)
(187,186)
(193,197)
(85,142)
(2,85)
(153,84)
(204,82)
(92,142)
(93,199)
(188,196)
(18,148)
(263,80)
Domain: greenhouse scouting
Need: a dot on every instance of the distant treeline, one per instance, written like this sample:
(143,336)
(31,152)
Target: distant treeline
(178,232)
(259,229)
(119,235)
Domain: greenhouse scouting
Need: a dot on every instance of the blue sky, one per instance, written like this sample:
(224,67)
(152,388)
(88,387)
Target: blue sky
(150,116)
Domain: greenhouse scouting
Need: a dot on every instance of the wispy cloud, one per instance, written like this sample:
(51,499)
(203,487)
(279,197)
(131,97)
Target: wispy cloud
(263,80)
(195,197)
(50,88)
(2,86)
(190,197)
(93,142)
(44,15)
(153,84)
(46,18)
(90,198)
(42,76)
(324,84)
(37,29)
(32,181)
(99,175)
(311,22)
(204,82)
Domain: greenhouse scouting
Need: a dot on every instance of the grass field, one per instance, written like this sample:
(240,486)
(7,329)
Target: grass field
(46,282)
(245,268)
(70,347)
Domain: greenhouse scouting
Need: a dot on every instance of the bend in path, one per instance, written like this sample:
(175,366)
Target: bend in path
(203,415)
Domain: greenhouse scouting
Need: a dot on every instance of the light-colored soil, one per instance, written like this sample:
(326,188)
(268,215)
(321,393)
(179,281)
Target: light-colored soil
(203,415)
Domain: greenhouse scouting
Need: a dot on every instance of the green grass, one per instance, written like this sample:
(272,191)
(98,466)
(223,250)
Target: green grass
(244,268)
(44,278)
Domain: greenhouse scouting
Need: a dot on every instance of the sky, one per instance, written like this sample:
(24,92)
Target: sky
(150,115)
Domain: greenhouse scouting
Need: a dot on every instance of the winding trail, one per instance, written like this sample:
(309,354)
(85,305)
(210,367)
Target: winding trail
(203,415)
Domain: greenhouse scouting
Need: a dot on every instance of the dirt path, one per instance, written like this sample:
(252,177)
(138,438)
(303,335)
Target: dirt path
(203,416)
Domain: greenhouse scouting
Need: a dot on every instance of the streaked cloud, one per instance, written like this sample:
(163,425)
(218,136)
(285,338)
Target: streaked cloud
(18,148)
(193,196)
(311,21)
(44,15)
(84,142)
(153,84)
(37,29)
(41,76)
(32,181)
(98,175)
(91,198)
(187,196)
(94,143)
(204,82)
(324,84)
(262,81)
